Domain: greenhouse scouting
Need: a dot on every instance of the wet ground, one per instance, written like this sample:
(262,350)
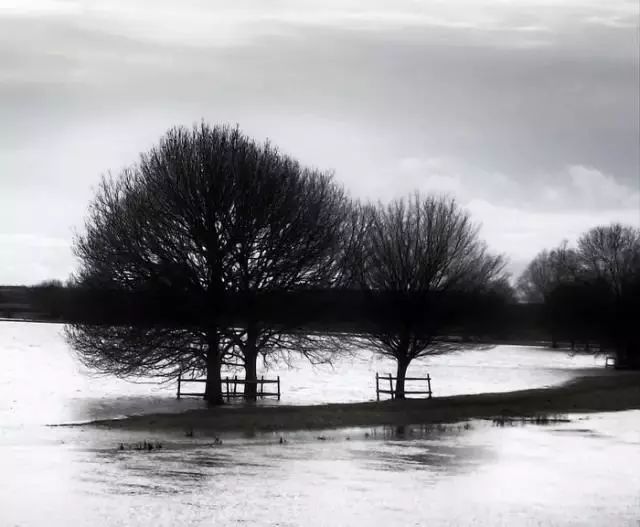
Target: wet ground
(581,472)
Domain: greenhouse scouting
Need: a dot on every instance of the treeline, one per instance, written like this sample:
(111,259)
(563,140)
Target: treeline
(590,293)
(488,316)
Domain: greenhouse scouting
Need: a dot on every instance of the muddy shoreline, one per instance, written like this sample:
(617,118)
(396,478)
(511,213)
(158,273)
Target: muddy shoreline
(609,391)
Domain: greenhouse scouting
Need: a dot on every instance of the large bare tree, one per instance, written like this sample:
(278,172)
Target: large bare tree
(286,226)
(418,256)
(210,218)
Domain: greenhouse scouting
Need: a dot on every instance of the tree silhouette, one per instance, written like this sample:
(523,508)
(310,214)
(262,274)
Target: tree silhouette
(547,270)
(204,222)
(610,265)
(420,257)
(591,292)
(541,279)
(286,226)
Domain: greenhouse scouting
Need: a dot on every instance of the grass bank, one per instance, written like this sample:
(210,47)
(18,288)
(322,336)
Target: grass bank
(607,392)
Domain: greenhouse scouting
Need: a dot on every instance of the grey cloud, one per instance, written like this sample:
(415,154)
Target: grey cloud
(446,91)
(495,105)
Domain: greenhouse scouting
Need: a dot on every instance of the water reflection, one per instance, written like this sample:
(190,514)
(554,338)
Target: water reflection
(157,473)
(583,472)
(440,448)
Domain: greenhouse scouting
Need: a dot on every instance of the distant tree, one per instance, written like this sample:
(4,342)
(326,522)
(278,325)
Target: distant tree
(420,258)
(53,283)
(203,222)
(487,312)
(541,279)
(502,289)
(48,299)
(611,254)
(590,293)
(546,271)
(609,259)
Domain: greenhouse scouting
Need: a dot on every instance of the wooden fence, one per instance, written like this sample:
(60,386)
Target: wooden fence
(391,391)
(230,387)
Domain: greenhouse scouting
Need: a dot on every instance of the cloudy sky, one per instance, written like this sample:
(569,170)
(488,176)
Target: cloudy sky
(526,110)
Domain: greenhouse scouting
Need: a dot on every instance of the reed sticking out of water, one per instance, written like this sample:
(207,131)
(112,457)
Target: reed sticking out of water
(142,446)
(541,419)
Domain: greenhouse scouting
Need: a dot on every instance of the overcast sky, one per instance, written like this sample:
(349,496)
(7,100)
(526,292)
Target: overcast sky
(526,110)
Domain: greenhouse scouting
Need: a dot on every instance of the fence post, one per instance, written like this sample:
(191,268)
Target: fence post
(429,385)
(278,387)
(179,381)
(235,384)
(377,387)
(393,395)
(227,382)
(261,386)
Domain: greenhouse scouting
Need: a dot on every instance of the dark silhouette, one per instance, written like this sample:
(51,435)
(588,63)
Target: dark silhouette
(204,222)
(285,224)
(610,268)
(593,295)
(542,277)
(419,261)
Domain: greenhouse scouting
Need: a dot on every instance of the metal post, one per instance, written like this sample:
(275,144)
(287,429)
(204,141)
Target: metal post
(261,386)
(429,385)
(393,395)
(377,387)
(227,381)
(235,384)
(179,381)
(278,387)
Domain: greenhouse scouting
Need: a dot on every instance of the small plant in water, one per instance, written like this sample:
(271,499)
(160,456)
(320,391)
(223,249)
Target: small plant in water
(147,446)
(539,419)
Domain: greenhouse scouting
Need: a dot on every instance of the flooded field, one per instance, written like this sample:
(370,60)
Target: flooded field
(42,382)
(581,472)
(578,473)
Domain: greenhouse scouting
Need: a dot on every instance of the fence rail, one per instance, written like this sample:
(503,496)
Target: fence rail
(230,387)
(392,391)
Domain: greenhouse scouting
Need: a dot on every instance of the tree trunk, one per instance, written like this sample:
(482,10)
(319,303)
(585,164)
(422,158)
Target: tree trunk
(213,386)
(403,364)
(250,354)
(627,357)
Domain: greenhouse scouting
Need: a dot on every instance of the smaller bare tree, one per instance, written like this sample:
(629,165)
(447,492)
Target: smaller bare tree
(611,254)
(418,259)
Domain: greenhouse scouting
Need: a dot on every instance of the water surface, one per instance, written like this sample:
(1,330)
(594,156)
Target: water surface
(579,473)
